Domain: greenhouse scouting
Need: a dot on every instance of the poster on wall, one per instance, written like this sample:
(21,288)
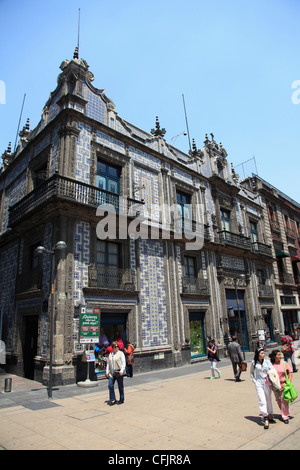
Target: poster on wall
(89,331)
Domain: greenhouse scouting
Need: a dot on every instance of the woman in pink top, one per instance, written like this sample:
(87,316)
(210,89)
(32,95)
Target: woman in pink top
(276,357)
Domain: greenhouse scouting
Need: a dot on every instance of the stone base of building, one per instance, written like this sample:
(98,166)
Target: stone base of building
(61,375)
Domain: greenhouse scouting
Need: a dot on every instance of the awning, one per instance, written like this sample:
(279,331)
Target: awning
(281,254)
(295,258)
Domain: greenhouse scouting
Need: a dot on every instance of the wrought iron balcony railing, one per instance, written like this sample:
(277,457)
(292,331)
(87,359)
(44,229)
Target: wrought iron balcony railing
(265,291)
(68,189)
(29,281)
(261,248)
(234,239)
(190,226)
(109,277)
(285,278)
(195,285)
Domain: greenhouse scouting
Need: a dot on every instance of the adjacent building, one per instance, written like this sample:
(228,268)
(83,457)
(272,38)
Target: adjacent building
(169,246)
(282,231)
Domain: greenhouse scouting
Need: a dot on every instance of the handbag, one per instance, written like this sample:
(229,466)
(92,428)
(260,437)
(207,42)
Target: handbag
(116,374)
(289,392)
(243,366)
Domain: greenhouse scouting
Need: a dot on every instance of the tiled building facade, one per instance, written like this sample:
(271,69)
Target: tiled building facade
(158,291)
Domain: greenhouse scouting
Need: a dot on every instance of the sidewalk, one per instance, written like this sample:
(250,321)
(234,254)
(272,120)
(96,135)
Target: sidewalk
(178,409)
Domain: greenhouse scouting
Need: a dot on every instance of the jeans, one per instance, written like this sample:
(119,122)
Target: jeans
(111,387)
(213,368)
(291,356)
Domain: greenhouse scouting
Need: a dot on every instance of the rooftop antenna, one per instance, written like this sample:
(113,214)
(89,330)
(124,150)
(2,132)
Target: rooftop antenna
(19,122)
(253,158)
(78,30)
(187,126)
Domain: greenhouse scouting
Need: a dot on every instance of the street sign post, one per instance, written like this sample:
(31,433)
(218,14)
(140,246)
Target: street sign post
(89,333)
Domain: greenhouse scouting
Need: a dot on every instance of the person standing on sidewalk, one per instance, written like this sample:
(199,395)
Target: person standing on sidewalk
(115,368)
(288,349)
(129,358)
(278,365)
(213,358)
(235,354)
(259,376)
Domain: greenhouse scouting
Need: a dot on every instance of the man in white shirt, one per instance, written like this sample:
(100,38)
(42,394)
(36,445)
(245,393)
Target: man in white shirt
(116,365)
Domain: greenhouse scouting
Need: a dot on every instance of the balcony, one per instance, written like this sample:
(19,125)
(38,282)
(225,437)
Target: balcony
(262,249)
(290,233)
(195,285)
(274,225)
(102,277)
(189,227)
(66,189)
(265,291)
(235,240)
(285,278)
(29,281)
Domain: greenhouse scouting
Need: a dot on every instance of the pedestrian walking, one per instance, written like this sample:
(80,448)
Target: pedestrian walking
(259,376)
(129,358)
(288,349)
(235,354)
(213,358)
(280,367)
(115,368)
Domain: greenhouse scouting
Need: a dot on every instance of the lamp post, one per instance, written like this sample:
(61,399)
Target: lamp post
(41,250)
(175,137)
(242,276)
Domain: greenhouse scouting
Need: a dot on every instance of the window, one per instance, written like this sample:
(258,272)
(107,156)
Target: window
(184,210)
(261,277)
(272,214)
(288,300)
(225,216)
(107,265)
(34,257)
(190,266)
(254,234)
(108,177)
(286,223)
(40,175)
(108,254)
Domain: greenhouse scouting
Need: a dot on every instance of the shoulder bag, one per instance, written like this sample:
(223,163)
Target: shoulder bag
(289,393)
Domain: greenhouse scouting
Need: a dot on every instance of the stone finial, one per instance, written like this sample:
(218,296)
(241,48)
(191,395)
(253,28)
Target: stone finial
(195,153)
(6,157)
(76,53)
(158,131)
(25,131)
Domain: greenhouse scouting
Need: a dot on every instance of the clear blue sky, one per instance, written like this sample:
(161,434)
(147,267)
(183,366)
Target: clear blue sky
(234,60)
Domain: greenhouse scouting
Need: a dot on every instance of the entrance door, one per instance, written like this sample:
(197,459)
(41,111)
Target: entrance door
(112,326)
(234,328)
(197,335)
(30,344)
(269,326)
(233,316)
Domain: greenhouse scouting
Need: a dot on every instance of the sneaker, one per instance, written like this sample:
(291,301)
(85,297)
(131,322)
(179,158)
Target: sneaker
(211,378)
(219,375)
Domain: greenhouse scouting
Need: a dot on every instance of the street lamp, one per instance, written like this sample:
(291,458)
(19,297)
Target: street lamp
(242,276)
(41,250)
(175,136)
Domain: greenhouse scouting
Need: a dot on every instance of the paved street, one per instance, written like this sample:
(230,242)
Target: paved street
(170,410)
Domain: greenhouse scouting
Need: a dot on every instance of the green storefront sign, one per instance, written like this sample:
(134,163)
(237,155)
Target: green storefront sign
(89,325)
